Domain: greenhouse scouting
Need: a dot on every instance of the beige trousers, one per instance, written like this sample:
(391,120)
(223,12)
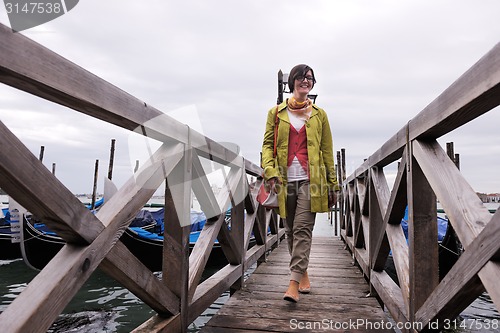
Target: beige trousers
(299,224)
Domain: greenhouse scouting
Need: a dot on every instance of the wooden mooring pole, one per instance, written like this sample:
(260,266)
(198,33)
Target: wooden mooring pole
(450,151)
(42,150)
(94,189)
(338,202)
(342,177)
(280,87)
(111,159)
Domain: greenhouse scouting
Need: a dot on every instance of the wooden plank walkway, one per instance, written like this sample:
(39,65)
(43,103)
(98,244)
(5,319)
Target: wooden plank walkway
(337,302)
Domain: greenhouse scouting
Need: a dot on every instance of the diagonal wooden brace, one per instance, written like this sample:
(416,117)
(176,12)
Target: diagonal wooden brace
(45,196)
(466,212)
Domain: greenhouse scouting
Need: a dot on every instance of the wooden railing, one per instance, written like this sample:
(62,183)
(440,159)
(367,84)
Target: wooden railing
(371,213)
(93,240)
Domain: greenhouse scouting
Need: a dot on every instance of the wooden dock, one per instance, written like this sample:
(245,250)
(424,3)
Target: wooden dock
(338,300)
(370,214)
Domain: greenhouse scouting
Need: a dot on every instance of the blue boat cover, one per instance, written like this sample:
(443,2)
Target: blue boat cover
(193,236)
(442,226)
(43,228)
(198,220)
(97,204)
(144,218)
(6,215)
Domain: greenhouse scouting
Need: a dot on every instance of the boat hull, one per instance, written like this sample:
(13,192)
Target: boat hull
(38,248)
(8,250)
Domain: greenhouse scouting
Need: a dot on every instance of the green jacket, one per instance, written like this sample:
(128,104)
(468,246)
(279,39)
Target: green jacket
(319,151)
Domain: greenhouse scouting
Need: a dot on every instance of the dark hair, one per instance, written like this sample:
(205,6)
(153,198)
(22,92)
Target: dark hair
(299,70)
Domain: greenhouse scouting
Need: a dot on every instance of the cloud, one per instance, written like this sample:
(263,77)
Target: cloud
(377,65)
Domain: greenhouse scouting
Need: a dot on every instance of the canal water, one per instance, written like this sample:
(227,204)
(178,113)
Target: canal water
(103,305)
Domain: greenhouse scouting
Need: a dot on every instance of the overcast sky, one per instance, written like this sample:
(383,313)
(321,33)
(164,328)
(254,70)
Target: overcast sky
(213,65)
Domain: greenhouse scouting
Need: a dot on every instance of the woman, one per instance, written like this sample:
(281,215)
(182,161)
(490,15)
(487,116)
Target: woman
(302,173)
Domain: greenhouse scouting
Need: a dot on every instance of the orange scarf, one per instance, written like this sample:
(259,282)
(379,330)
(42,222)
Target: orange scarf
(301,109)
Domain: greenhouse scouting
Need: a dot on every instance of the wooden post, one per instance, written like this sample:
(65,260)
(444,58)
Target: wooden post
(176,233)
(136,166)
(280,87)
(342,151)
(450,151)
(42,150)
(336,210)
(111,159)
(422,237)
(54,169)
(340,198)
(260,231)
(457,161)
(341,178)
(94,189)
(237,230)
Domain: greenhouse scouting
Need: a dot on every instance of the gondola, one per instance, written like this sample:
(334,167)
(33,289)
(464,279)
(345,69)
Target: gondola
(143,238)
(9,239)
(147,244)
(449,248)
(8,249)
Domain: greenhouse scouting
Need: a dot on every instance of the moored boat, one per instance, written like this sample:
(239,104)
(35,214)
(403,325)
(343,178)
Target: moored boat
(449,247)
(143,238)
(9,249)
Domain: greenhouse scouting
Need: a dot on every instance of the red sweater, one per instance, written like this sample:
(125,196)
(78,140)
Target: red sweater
(297,146)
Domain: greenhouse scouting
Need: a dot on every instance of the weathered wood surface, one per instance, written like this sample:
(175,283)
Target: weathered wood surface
(50,291)
(93,240)
(423,246)
(426,174)
(469,218)
(338,295)
(370,215)
(29,66)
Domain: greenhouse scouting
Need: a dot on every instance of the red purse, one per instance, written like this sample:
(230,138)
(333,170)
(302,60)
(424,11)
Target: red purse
(266,197)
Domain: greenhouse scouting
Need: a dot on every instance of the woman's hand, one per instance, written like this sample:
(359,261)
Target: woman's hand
(332,198)
(272,184)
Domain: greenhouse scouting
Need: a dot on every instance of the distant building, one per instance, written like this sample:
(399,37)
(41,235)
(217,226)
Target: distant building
(492,197)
